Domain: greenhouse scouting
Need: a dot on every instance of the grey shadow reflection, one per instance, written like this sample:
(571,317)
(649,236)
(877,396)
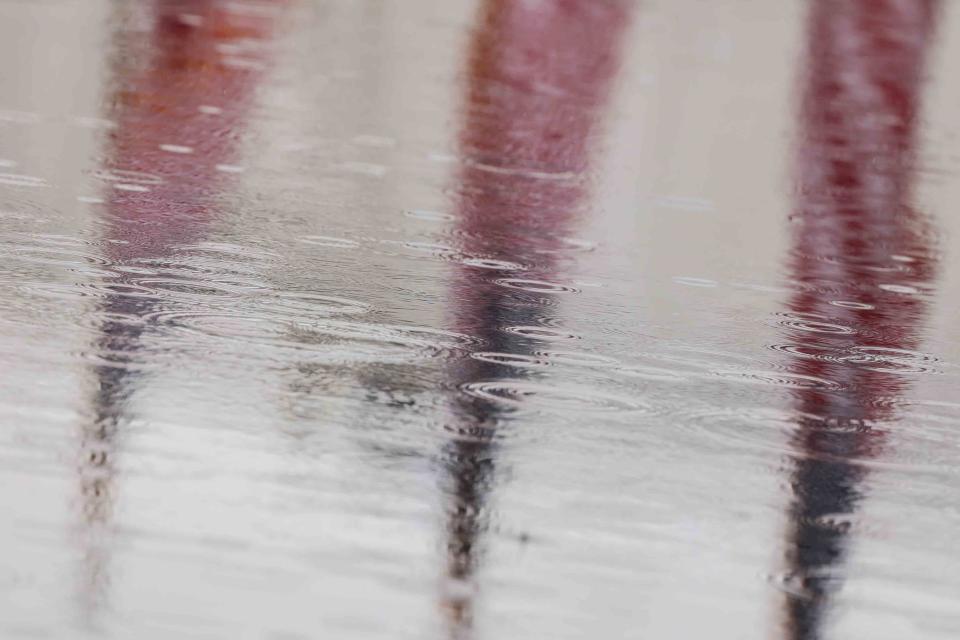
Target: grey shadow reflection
(861,263)
(178,98)
(538,77)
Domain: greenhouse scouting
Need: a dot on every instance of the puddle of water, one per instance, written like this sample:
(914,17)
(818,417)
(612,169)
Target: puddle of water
(503,319)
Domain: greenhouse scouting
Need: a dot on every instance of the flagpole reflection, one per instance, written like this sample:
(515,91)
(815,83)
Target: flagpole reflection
(860,261)
(180,95)
(538,76)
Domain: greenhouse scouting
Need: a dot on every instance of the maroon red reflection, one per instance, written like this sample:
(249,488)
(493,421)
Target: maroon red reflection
(861,262)
(181,91)
(538,77)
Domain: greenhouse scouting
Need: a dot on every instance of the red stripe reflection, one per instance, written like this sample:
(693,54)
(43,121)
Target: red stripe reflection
(861,261)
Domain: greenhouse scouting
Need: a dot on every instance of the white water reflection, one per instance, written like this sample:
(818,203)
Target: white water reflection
(459,320)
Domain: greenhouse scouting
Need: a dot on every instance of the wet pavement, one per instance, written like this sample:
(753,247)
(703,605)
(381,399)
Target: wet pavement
(471,320)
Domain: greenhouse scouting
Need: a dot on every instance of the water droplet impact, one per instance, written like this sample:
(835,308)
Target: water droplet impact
(128,177)
(535,286)
(545,359)
(308,305)
(510,359)
(190,19)
(579,244)
(523,172)
(849,304)
(518,394)
(778,379)
(429,247)
(429,216)
(807,352)
(762,430)
(899,288)
(329,241)
(137,188)
(548,334)
(889,360)
(18,180)
(578,358)
(486,263)
(176,148)
(812,324)
(54,250)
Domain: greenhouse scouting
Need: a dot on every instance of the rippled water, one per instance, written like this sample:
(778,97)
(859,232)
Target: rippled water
(482,319)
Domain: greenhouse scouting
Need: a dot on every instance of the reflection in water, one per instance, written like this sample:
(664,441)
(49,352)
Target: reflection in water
(178,104)
(860,261)
(538,76)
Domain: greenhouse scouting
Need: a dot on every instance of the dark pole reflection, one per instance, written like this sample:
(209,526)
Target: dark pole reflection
(538,76)
(180,93)
(860,260)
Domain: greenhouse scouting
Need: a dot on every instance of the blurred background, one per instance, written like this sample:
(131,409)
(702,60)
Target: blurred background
(479,319)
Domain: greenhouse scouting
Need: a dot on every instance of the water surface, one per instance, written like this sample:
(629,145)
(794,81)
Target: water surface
(490,319)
